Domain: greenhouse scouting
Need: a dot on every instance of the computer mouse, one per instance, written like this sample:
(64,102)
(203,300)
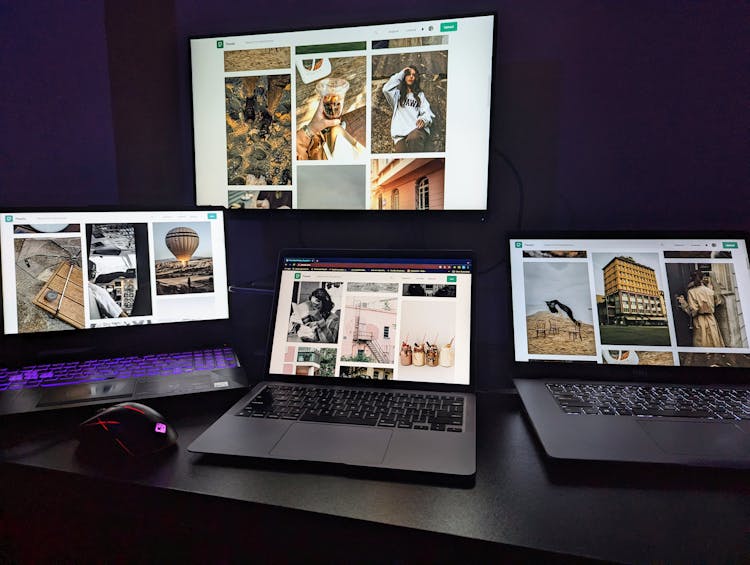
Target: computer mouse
(128,428)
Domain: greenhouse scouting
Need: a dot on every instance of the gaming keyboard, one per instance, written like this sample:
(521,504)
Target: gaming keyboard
(418,411)
(135,366)
(674,401)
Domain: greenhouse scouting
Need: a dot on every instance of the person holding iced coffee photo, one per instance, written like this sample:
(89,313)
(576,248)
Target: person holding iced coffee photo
(412,116)
(316,139)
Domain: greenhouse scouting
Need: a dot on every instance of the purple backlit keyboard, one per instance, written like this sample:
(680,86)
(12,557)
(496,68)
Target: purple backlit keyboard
(135,366)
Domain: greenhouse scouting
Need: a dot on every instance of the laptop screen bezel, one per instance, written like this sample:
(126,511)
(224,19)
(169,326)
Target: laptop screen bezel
(551,371)
(375,254)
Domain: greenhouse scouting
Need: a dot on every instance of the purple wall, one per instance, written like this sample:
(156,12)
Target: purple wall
(617,115)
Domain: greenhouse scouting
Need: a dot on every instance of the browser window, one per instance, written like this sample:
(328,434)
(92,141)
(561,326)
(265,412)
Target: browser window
(382,319)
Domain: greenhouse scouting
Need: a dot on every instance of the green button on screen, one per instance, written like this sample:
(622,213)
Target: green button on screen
(729,244)
(451,278)
(449,26)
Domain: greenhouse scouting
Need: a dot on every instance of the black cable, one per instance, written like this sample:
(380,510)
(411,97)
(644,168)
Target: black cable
(521,203)
(519,183)
(250,289)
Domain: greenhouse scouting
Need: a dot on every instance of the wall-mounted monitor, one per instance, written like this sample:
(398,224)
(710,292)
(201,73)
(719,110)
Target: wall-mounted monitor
(379,117)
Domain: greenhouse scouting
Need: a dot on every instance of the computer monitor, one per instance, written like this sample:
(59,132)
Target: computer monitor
(376,117)
(74,270)
(630,300)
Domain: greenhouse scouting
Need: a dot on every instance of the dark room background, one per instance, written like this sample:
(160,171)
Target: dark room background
(614,115)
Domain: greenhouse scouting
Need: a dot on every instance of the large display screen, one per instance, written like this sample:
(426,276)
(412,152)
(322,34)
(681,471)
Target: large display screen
(380,117)
(667,302)
(76,270)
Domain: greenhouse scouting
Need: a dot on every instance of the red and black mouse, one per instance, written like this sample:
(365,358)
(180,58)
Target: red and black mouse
(130,428)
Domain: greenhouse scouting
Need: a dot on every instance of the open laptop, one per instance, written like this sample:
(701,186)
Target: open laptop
(635,348)
(90,300)
(368,365)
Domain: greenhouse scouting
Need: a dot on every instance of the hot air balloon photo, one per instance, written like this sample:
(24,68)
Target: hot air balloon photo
(182,258)
(182,242)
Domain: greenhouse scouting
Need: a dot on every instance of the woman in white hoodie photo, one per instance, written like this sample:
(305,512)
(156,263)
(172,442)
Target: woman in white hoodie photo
(411,114)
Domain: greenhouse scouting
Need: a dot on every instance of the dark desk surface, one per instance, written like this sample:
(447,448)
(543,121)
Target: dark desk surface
(521,505)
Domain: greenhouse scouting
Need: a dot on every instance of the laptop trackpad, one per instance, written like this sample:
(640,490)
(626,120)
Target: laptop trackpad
(340,444)
(723,439)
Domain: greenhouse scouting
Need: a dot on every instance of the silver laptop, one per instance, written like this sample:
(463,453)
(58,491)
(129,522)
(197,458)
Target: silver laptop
(635,348)
(89,303)
(368,365)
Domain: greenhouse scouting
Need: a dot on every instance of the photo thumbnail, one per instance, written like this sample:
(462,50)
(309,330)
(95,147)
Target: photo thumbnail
(331,108)
(369,329)
(315,315)
(259,130)
(310,361)
(706,305)
(409,102)
(332,187)
(46,228)
(630,299)
(402,42)
(407,184)
(49,284)
(119,282)
(183,258)
(374,373)
(428,340)
(260,199)
(559,318)
(257,59)
(431,290)
(611,356)
(691,359)
(382,287)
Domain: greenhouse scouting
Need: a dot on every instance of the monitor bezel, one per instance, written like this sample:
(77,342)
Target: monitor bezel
(479,215)
(572,370)
(23,349)
(375,253)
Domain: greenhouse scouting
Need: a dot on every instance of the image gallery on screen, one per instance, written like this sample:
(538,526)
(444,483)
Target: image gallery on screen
(639,304)
(75,270)
(374,118)
(373,325)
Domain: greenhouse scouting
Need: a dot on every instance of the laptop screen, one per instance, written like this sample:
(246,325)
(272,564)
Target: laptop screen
(661,302)
(79,270)
(377,318)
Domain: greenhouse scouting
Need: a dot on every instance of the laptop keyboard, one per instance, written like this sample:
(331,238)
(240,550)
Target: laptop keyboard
(417,411)
(136,366)
(673,401)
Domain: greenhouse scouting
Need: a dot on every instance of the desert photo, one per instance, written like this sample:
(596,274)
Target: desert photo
(559,317)
(183,260)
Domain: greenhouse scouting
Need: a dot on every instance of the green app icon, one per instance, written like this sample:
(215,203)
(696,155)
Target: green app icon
(519,245)
(449,26)
(8,218)
(220,44)
(451,278)
(297,276)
